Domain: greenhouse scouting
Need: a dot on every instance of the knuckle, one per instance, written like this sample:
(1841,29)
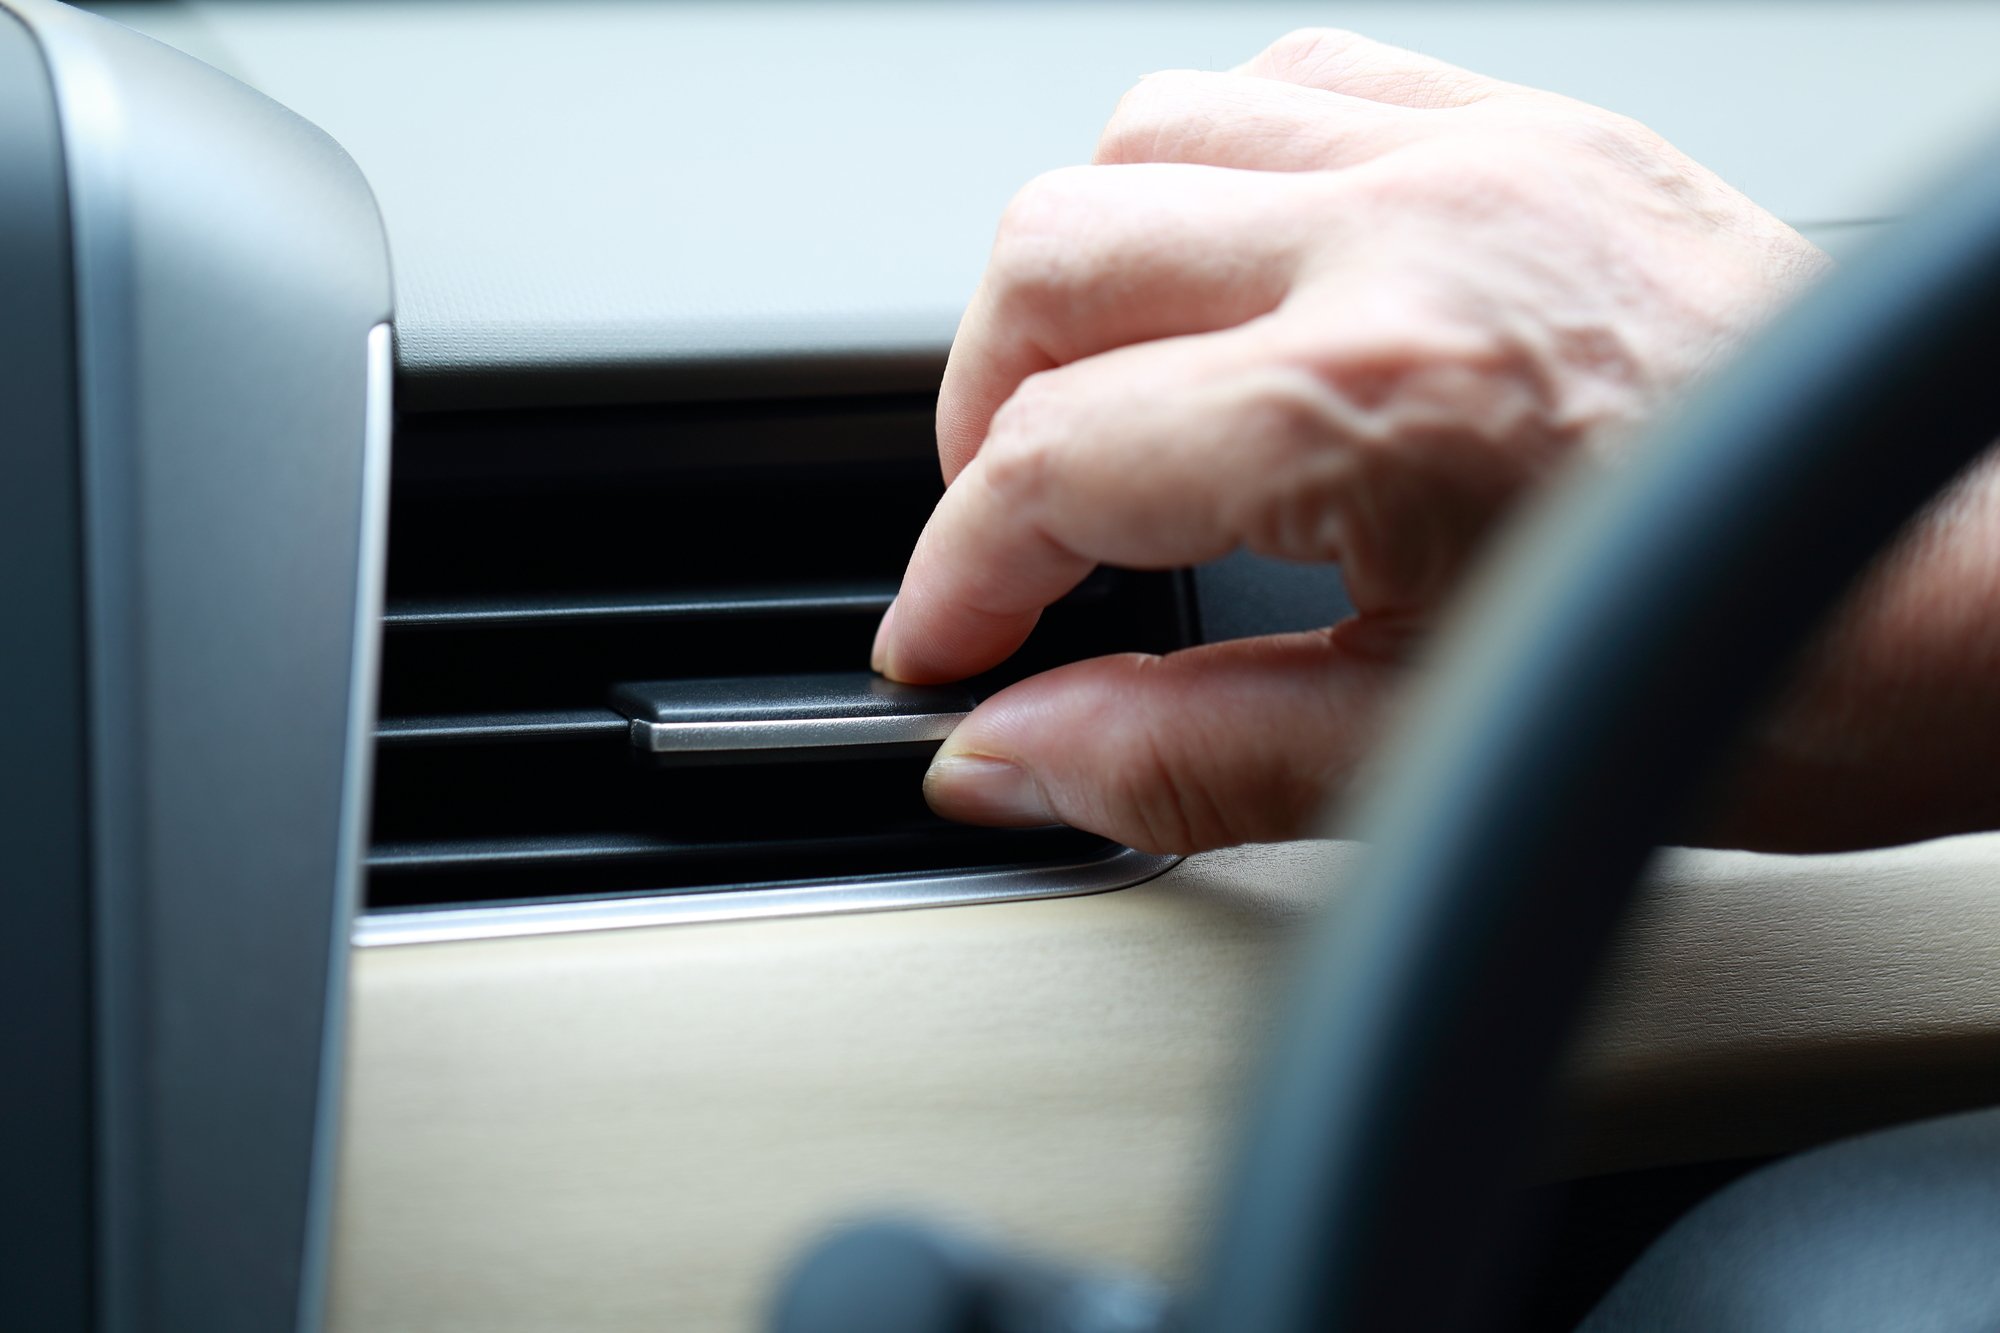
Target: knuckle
(1018,458)
(1306,51)
(1451,395)
(1336,57)
(1301,437)
(1379,379)
(1609,131)
(1017,473)
(1471,174)
(1046,206)
(1036,255)
(1144,120)
(1292,412)
(1563,127)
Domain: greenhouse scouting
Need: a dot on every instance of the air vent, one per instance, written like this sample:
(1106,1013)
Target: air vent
(546,565)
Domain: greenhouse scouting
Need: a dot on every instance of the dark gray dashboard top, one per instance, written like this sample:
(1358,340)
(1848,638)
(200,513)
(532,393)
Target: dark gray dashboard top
(604,190)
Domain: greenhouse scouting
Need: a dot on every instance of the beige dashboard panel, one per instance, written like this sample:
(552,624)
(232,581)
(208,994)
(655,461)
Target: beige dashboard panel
(631,1130)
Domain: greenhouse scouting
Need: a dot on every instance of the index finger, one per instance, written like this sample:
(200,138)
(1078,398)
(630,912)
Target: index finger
(1150,457)
(1091,258)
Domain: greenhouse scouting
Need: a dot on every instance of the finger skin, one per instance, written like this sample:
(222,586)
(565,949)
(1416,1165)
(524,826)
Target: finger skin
(1177,452)
(1093,258)
(1258,124)
(1334,60)
(1358,340)
(1216,745)
(1123,459)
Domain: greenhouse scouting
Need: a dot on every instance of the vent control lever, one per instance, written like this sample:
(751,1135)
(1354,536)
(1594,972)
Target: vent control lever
(825,715)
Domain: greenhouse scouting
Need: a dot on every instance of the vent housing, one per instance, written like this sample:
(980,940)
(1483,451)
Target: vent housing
(541,558)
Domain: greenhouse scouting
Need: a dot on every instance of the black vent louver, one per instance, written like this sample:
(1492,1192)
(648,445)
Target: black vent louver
(541,559)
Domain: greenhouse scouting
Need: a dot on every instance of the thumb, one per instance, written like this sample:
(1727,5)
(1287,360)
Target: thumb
(1226,743)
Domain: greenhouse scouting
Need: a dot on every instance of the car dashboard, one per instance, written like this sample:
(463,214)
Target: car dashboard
(673,289)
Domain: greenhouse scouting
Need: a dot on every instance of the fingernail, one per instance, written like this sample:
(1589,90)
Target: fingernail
(878,656)
(980,790)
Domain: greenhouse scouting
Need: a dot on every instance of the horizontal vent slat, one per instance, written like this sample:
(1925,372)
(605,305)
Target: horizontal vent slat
(766,602)
(552,724)
(620,847)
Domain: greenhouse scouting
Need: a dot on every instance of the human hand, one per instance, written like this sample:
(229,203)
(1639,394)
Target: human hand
(1347,304)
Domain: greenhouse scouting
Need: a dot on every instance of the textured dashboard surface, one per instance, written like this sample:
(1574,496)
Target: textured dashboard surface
(602,190)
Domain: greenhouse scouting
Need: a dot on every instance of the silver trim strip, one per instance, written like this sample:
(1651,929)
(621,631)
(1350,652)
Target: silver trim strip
(685,606)
(557,725)
(352,855)
(1118,871)
(791,733)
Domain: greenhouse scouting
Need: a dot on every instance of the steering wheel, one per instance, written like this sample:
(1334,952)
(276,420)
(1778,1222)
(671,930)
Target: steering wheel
(1588,694)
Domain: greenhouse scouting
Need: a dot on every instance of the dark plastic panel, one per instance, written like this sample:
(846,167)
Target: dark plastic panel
(1244,595)
(230,269)
(45,976)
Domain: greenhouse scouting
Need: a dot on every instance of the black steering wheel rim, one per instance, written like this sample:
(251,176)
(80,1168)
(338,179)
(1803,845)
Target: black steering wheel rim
(1614,655)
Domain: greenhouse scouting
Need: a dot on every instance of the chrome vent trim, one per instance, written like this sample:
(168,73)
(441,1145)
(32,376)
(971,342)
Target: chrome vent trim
(755,901)
(446,614)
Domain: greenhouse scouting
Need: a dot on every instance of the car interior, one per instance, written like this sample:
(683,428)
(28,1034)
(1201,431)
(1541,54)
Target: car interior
(465,879)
